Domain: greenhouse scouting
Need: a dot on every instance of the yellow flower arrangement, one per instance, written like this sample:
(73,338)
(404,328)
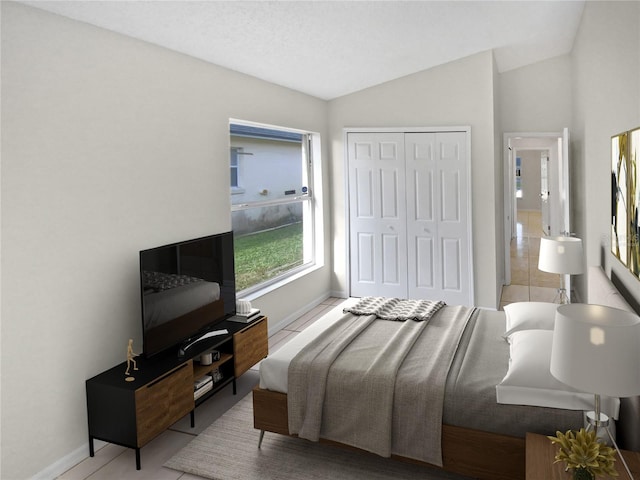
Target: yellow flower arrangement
(584,454)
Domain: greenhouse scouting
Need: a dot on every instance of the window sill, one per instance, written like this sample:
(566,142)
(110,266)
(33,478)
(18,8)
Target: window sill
(277,284)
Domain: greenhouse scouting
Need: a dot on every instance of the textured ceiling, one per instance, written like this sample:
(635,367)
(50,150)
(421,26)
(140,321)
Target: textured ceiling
(331,48)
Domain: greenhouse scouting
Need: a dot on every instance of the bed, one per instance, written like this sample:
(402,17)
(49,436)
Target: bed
(476,435)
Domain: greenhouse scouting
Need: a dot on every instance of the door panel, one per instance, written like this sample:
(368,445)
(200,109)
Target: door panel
(545,204)
(377,214)
(451,273)
(425,250)
(456,278)
(389,194)
(390,252)
(450,188)
(365,258)
(423,206)
(364,193)
(389,150)
(565,203)
(422,225)
(363,150)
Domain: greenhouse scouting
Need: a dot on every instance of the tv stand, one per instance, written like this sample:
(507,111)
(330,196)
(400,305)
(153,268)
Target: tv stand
(133,413)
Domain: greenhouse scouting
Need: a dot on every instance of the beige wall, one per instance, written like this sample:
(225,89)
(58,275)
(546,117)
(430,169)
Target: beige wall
(109,146)
(606,101)
(531,182)
(457,94)
(537,98)
(498,183)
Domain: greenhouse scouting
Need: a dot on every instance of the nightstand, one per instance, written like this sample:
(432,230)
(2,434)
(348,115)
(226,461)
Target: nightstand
(540,453)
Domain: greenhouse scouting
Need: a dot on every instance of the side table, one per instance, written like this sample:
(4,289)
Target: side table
(540,453)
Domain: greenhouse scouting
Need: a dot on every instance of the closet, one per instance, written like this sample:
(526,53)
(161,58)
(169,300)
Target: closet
(409,214)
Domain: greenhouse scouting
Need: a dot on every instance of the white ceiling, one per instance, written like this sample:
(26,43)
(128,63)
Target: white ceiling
(331,48)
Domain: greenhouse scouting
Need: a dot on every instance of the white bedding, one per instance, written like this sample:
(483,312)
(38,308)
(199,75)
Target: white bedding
(470,386)
(274,369)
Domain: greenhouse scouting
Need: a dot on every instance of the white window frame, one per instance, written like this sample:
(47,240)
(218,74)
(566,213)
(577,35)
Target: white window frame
(313,230)
(237,188)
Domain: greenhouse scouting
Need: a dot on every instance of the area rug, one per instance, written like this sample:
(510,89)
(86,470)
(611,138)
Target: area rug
(228,450)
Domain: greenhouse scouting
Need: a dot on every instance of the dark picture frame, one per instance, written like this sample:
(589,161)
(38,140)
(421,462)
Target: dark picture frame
(634,200)
(619,196)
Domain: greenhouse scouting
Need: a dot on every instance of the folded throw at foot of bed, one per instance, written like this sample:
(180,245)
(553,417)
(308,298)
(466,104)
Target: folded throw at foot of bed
(398,309)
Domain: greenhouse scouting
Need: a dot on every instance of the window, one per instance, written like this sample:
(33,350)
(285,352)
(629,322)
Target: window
(273,208)
(234,166)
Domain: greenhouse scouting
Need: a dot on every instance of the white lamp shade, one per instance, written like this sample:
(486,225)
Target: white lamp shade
(596,349)
(561,255)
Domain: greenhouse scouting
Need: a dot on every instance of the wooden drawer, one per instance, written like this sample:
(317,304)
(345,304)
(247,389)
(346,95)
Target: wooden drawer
(164,401)
(250,345)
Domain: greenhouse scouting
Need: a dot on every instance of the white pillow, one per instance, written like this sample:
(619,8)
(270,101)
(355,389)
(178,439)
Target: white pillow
(529,380)
(529,316)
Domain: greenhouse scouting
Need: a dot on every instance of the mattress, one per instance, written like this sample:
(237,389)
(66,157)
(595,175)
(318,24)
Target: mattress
(274,369)
(480,363)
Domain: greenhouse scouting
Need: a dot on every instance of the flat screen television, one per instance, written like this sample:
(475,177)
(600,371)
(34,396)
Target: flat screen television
(186,288)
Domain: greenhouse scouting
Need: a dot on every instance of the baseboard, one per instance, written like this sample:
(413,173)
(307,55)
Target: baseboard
(340,294)
(292,317)
(67,462)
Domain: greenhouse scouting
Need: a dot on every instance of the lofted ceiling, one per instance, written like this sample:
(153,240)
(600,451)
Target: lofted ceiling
(332,48)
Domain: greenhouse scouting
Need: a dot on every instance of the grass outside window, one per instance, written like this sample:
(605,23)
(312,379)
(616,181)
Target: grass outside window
(261,256)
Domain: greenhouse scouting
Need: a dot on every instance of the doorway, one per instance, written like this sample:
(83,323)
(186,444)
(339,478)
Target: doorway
(536,204)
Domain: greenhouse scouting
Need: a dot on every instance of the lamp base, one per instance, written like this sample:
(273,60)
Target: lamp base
(561,297)
(600,420)
(603,421)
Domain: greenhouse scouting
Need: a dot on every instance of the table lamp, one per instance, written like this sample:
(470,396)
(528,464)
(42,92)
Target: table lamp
(596,349)
(562,255)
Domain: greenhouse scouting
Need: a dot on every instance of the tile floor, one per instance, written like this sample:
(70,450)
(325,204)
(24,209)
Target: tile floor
(527,282)
(112,461)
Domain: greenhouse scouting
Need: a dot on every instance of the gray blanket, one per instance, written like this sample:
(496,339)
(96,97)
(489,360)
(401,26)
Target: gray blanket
(377,385)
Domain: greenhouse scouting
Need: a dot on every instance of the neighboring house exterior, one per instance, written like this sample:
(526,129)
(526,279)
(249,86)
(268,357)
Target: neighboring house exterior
(266,165)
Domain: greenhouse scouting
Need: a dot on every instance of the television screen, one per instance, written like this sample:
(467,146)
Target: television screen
(186,288)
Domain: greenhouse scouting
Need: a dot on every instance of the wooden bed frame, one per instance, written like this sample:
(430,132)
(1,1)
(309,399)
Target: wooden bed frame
(475,453)
(500,457)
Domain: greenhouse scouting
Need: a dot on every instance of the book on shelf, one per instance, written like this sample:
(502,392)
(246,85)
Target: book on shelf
(202,390)
(245,317)
(202,382)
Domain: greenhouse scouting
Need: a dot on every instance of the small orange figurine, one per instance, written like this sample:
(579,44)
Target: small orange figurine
(130,359)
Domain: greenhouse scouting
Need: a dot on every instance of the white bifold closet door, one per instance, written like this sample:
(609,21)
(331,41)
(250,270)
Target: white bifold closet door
(409,216)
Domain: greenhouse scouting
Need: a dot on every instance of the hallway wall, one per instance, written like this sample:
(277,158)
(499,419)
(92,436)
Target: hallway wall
(604,105)
(531,182)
